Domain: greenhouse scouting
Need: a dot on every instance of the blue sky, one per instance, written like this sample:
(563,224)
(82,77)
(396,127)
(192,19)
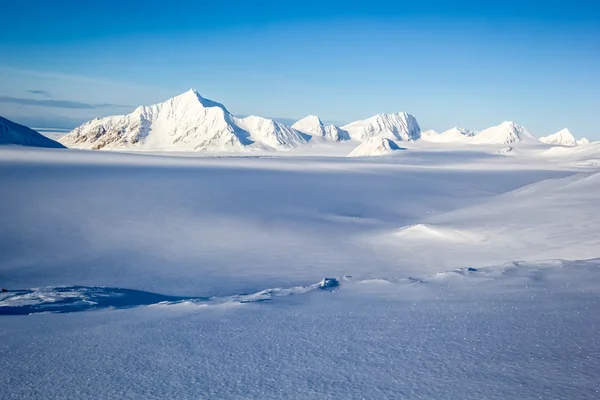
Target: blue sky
(450,63)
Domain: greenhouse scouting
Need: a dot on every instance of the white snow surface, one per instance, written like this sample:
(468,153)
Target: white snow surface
(12,133)
(375,146)
(561,138)
(505,133)
(187,122)
(313,126)
(399,126)
(461,273)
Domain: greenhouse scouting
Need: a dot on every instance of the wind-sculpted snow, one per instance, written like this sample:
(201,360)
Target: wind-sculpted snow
(517,330)
(65,299)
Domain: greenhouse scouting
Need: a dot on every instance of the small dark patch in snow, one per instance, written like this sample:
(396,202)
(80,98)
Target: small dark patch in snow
(329,283)
(471,269)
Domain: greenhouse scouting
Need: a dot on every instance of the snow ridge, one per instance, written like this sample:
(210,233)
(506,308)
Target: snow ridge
(13,133)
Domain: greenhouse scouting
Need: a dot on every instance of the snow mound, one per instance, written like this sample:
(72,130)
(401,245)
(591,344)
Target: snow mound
(420,232)
(505,133)
(583,141)
(13,133)
(375,146)
(399,126)
(560,138)
(313,126)
(187,122)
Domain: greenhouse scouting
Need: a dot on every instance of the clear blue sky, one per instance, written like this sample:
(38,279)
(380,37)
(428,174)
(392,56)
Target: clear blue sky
(468,63)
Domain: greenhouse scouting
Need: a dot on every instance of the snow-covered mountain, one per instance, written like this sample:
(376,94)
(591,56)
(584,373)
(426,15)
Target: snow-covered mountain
(561,138)
(399,126)
(583,141)
(505,133)
(185,122)
(451,135)
(313,126)
(375,146)
(459,131)
(13,133)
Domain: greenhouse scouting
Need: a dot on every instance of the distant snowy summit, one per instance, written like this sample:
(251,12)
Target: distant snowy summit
(397,127)
(453,135)
(15,134)
(506,133)
(313,126)
(375,146)
(563,138)
(187,122)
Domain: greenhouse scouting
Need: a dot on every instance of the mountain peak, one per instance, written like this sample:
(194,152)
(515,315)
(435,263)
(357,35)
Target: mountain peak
(313,126)
(505,133)
(310,120)
(562,138)
(395,126)
(193,98)
(564,132)
(185,122)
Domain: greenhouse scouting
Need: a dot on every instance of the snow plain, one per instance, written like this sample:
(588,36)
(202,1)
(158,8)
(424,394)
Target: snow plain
(465,272)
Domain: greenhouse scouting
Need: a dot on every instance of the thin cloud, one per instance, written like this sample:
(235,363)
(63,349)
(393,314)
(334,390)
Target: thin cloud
(58,103)
(40,92)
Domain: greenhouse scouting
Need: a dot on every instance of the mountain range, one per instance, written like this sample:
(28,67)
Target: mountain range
(190,122)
